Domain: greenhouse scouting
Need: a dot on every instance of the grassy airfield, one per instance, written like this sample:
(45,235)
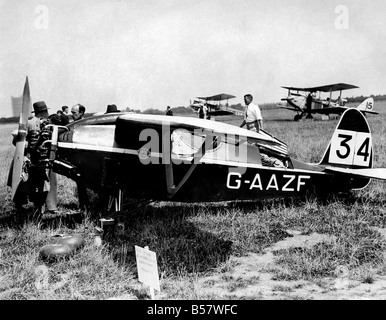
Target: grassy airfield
(201,246)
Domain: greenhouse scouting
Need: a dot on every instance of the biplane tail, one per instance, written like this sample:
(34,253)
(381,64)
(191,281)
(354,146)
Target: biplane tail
(350,151)
(367,106)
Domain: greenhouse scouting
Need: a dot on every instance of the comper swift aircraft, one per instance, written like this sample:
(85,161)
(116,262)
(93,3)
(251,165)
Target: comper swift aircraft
(213,103)
(154,157)
(306,103)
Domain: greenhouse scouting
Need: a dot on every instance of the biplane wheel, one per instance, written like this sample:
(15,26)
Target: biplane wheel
(297,117)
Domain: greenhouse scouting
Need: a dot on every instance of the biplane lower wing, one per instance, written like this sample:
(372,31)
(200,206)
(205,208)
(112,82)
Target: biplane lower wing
(292,109)
(329,110)
(220,113)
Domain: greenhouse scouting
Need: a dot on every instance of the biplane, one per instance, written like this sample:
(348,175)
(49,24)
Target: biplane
(308,101)
(161,158)
(214,105)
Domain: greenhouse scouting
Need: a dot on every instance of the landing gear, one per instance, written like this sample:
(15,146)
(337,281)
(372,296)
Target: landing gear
(297,117)
(117,212)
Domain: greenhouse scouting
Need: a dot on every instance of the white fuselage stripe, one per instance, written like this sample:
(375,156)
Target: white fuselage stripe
(78,146)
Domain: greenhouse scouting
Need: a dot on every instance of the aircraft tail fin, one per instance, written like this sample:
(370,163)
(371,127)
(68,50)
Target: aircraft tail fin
(350,146)
(367,106)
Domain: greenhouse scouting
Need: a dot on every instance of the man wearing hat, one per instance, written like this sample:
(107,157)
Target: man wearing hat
(112,108)
(36,124)
(40,113)
(37,176)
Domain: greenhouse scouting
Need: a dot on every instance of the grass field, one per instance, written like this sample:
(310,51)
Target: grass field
(200,246)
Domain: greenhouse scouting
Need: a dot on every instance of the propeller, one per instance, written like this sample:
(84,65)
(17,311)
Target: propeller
(18,157)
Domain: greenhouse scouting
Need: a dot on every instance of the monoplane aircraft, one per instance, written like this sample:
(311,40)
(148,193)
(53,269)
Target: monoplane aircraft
(156,157)
(309,101)
(213,103)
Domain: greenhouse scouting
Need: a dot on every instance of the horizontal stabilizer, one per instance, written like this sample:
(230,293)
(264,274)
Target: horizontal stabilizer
(376,173)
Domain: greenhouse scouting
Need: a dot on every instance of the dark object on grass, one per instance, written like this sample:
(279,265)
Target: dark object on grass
(51,252)
(62,247)
(75,241)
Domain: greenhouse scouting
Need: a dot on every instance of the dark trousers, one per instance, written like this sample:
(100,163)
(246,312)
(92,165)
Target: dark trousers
(84,202)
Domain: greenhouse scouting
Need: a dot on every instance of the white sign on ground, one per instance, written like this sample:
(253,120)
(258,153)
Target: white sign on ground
(147,267)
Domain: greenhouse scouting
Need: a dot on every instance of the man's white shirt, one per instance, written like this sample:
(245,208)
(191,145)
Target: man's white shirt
(252,113)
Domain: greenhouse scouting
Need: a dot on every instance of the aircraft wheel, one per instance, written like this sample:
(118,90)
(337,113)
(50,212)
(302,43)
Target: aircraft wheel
(297,117)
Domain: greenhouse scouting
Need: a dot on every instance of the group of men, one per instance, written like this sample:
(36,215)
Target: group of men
(38,187)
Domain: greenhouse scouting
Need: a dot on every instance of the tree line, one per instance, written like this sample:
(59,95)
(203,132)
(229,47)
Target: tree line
(377,97)
(182,109)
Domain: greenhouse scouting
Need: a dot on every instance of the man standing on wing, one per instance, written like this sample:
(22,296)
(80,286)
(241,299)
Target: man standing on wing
(252,116)
(254,122)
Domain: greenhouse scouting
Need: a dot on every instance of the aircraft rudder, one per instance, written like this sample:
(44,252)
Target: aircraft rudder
(351,142)
(367,106)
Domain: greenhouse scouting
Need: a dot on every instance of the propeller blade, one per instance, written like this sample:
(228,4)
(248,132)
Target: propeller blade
(18,157)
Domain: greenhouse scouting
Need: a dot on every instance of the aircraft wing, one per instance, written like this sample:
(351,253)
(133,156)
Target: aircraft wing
(218,97)
(209,127)
(195,107)
(237,112)
(326,88)
(289,108)
(376,173)
(329,110)
(291,105)
(220,112)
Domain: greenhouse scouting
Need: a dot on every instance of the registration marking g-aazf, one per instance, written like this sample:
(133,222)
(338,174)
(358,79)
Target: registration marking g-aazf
(291,183)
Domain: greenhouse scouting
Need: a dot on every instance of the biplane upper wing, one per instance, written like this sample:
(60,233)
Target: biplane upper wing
(210,128)
(326,88)
(218,97)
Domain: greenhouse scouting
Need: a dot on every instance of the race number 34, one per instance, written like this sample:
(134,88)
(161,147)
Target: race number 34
(351,148)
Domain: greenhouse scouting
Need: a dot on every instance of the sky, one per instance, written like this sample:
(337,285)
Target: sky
(153,53)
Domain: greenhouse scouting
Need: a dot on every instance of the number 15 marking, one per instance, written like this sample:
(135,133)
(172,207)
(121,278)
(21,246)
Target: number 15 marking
(351,148)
